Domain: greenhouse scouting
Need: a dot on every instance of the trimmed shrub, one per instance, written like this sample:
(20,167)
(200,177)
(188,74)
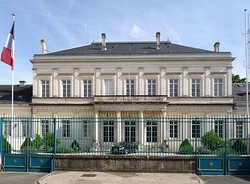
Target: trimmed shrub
(75,146)
(212,141)
(48,141)
(38,142)
(6,145)
(27,146)
(186,147)
(239,146)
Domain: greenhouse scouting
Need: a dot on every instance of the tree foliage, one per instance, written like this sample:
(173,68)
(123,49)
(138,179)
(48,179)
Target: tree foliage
(237,79)
(212,141)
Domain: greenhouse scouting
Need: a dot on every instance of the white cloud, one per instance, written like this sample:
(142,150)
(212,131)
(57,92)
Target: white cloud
(137,32)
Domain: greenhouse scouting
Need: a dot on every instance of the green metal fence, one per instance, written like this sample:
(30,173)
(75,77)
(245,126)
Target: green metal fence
(148,135)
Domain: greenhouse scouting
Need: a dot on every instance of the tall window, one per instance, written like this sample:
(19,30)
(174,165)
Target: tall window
(217,87)
(130,131)
(66,88)
(151,87)
(218,127)
(196,87)
(87,88)
(173,129)
(130,87)
(108,131)
(239,129)
(7,128)
(86,128)
(196,129)
(109,87)
(45,88)
(151,131)
(45,127)
(173,87)
(65,128)
(25,128)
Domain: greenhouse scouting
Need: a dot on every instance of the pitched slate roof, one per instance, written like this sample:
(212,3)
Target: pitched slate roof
(21,94)
(129,48)
(239,92)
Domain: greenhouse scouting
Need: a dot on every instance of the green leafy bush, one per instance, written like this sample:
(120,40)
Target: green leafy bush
(27,146)
(75,146)
(212,141)
(6,145)
(239,146)
(38,142)
(48,141)
(186,147)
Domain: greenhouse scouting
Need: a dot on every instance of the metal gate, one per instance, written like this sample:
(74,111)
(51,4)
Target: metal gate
(228,143)
(22,146)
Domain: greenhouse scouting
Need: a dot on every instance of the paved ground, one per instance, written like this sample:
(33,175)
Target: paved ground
(119,178)
(225,179)
(20,178)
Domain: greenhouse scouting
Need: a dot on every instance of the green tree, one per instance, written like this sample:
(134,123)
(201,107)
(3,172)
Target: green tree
(212,141)
(38,142)
(48,141)
(6,145)
(237,79)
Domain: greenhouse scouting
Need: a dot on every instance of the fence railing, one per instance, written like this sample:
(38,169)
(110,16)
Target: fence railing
(175,135)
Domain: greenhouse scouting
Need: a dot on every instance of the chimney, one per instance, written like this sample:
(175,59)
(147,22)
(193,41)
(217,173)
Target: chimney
(217,47)
(22,83)
(104,41)
(158,34)
(43,46)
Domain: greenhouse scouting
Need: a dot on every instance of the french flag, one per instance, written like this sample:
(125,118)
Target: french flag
(7,55)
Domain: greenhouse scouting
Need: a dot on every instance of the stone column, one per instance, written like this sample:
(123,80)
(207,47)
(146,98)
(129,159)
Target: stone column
(141,83)
(163,82)
(185,82)
(228,84)
(35,86)
(98,82)
(207,84)
(56,89)
(76,90)
(119,127)
(141,131)
(119,86)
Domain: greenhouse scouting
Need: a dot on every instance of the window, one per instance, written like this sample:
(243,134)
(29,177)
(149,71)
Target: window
(151,131)
(196,129)
(195,87)
(239,129)
(109,87)
(218,127)
(173,129)
(45,127)
(130,87)
(25,128)
(45,88)
(86,128)
(217,87)
(108,131)
(65,128)
(130,131)
(66,88)
(151,87)
(173,87)
(7,128)
(87,88)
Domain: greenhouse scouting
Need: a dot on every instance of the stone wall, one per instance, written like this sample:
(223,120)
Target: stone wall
(128,163)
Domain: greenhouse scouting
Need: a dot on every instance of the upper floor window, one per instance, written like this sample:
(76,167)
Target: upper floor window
(45,88)
(196,91)
(218,87)
(130,87)
(109,87)
(87,88)
(66,88)
(151,87)
(173,87)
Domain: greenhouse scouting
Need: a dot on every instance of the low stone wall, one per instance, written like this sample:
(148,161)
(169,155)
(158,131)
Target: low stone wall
(125,163)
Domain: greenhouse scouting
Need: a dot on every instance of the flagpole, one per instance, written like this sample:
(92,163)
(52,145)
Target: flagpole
(12,82)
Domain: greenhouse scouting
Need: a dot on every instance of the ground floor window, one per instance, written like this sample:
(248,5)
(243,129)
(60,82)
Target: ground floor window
(65,128)
(130,130)
(196,128)
(173,129)
(108,131)
(151,131)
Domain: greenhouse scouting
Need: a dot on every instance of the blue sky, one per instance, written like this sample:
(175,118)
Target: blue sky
(72,23)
